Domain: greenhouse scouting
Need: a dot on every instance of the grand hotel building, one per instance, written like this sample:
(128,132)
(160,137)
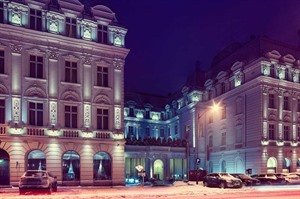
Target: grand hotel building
(63,107)
(61,91)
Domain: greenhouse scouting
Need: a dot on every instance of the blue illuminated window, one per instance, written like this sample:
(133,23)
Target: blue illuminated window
(35,19)
(35,114)
(102,119)
(71,116)
(36,66)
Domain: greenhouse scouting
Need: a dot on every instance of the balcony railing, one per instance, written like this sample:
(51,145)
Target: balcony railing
(36,131)
(150,141)
(2,130)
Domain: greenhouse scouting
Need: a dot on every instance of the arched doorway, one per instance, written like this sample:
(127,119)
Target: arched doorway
(36,160)
(4,168)
(71,166)
(239,166)
(158,169)
(223,166)
(286,167)
(102,166)
(271,165)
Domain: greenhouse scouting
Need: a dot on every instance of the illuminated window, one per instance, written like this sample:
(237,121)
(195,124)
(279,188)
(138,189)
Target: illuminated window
(271,101)
(71,166)
(35,19)
(1,13)
(271,132)
(35,114)
(223,138)
(102,119)
(36,160)
(71,116)
(162,133)
(286,133)
(286,105)
(71,27)
(1,61)
(102,76)
(71,72)
(36,66)
(2,111)
(102,34)
(102,166)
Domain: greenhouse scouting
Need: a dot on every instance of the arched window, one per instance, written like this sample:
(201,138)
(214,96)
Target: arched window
(4,168)
(71,166)
(223,166)
(239,166)
(36,160)
(286,165)
(271,165)
(102,166)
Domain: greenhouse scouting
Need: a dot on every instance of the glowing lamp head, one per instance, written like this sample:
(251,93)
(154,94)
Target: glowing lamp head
(215,107)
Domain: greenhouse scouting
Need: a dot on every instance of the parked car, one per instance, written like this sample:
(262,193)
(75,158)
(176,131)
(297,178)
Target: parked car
(247,180)
(222,180)
(266,178)
(291,178)
(33,180)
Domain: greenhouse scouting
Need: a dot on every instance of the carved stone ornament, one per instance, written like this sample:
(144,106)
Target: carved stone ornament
(16,48)
(53,55)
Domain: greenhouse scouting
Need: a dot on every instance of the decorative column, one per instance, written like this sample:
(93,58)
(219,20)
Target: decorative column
(280,111)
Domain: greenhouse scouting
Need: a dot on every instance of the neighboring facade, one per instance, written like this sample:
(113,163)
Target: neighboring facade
(61,92)
(257,126)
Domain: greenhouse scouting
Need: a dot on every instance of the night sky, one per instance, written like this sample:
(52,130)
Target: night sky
(167,37)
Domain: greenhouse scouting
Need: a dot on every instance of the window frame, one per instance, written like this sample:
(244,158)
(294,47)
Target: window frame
(2,61)
(73,116)
(35,19)
(70,69)
(36,66)
(102,34)
(35,113)
(102,115)
(71,27)
(2,111)
(102,76)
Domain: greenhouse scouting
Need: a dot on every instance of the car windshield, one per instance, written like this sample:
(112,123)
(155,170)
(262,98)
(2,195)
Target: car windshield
(244,176)
(35,174)
(225,175)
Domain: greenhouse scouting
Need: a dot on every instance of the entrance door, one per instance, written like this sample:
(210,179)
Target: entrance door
(158,169)
(4,168)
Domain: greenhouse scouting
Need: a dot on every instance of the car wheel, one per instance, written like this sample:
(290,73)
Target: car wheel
(222,185)
(205,184)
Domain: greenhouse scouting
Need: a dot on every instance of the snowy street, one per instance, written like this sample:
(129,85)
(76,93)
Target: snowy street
(178,190)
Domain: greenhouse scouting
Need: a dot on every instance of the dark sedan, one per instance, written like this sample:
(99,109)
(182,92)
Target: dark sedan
(222,180)
(33,180)
(247,180)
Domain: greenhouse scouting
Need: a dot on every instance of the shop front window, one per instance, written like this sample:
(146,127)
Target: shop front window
(36,160)
(71,166)
(102,166)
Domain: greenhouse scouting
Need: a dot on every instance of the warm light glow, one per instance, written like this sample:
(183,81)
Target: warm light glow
(215,107)
(87,134)
(53,133)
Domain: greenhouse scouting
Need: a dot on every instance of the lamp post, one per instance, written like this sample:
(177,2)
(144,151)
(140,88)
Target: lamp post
(213,109)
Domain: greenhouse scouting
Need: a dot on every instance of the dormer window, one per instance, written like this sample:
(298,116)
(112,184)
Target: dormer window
(70,27)
(147,116)
(102,34)
(35,19)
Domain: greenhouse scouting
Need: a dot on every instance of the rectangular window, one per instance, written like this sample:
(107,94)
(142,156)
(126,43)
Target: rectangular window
(102,76)
(35,114)
(1,61)
(286,103)
(176,130)
(223,138)
(2,111)
(286,133)
(102,119)
(169,132)
(36,66)
(272,71)
(298,134)
(71,72)
(271,101)
(130,131)
(147,132)
(286,71)
(210,141)
(102,34)
(147,115)
(71,116)
(131,112)
(162,133)
(298,103)
(1,13)
(35,19)
(71,27)
(271,132)
(224,112)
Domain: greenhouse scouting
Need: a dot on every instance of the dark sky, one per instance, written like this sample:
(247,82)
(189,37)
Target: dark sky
(167,37)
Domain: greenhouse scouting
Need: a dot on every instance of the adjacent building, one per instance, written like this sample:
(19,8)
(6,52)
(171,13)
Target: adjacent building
(61,91)
(254,129)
